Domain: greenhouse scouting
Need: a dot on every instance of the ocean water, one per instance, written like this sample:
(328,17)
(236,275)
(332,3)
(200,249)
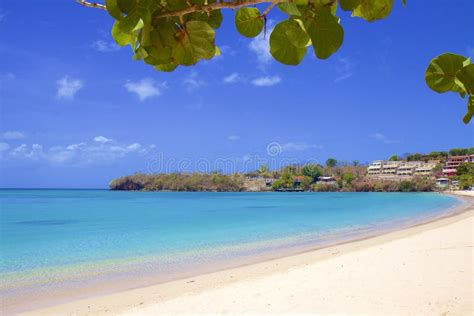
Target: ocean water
(67,239)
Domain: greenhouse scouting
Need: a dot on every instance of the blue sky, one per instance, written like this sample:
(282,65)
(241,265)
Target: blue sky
(77,111)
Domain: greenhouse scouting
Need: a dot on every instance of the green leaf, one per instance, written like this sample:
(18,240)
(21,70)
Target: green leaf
(120,37)
(130,22)
(195,42)
(465,78)
(325,32)
(126,6)
(404,3)
(214,18)
(372,10)
(166,67)
(282,40)
(289,8)
(441,73)
(297,34)
(349,5)
(113,9)
(248,22)
(470,110)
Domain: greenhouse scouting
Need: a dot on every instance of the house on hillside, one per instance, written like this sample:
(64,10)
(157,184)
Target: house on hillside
(326,180)
(442,182)
(454,162)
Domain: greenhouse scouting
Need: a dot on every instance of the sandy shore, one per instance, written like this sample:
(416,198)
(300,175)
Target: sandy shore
(423,270)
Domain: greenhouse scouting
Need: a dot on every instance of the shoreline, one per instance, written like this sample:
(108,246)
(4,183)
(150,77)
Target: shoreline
(149,295)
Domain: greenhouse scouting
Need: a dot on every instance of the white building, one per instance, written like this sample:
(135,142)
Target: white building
(375,168)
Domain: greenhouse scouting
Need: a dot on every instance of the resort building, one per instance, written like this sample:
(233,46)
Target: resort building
(390,167)
(454,162)
(375,168)
(424,170)
(407,169)
(400,169)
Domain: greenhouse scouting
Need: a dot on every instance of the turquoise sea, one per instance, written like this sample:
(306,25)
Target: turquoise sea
(65,240)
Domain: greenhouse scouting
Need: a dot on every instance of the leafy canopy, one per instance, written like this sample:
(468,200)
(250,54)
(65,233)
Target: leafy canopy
(170,33)
(453,73)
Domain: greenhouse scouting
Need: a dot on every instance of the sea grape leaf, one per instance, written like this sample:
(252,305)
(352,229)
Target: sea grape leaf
(248,22)
(441,73)
(325,32)
(371,10)
(130,22)
(214,18)
(126,6)
(349,5)
(470,110)
(120,37)
(297,34)
(113,9)
(166,67)
(196,42)
(282,47)
(465,78)
(289,8)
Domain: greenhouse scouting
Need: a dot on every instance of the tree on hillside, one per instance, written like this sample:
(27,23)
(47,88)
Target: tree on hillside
(465,175)
(331,163)
(394,158)
(312,171)
(461,151)
(170,33)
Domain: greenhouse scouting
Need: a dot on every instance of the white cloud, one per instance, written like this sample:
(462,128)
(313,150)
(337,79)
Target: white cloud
(134,147)
(266,81)
(226,50)
(192,82)
(145,88)
(343,77)
(233,137)
(384,139)
(76,154)
(261,47)
(299,146)
(4,147)
(67,88)
(232,78)
(345,69)
(100,139)
(105,47)
(13,135)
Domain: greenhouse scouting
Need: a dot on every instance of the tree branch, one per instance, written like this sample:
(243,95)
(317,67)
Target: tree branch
(91,4)
(270,7)
(208,7)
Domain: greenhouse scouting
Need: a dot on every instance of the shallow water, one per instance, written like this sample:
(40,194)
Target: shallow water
(68,239)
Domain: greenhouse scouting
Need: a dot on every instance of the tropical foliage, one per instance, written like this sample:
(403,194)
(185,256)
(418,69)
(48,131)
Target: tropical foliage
(170,33)
(453,73)
(179,182)
(465,175)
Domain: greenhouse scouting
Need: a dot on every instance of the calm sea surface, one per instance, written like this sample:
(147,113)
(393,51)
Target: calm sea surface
(67,238)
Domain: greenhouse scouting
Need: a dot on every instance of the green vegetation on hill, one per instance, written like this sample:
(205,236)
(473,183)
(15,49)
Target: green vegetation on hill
(179,182)
(465,175)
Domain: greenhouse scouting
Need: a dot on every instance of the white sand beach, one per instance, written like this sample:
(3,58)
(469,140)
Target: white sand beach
(423,270)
